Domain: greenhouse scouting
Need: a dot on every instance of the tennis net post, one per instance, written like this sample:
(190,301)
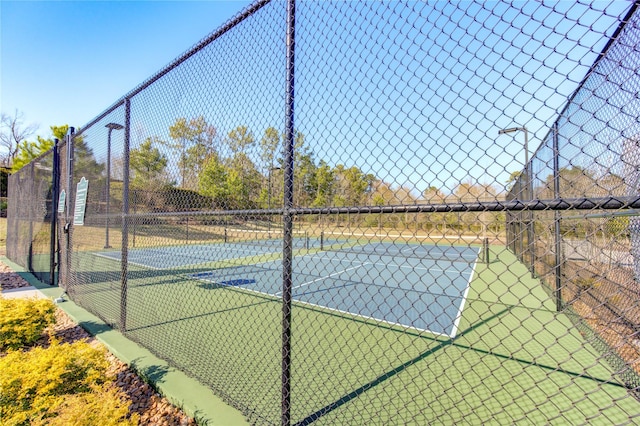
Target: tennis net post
(485,250)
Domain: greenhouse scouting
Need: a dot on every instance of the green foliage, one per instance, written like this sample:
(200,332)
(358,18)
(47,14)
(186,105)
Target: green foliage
(105,406)
(617,226)
(269,145)
(213,180)
(29,150)
(148,166)
(22,321)
(85,162)
(195,141)
(35,381)
(239,139)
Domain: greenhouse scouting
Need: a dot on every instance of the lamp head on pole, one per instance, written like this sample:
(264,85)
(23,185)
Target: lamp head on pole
(114,126)
(511,130)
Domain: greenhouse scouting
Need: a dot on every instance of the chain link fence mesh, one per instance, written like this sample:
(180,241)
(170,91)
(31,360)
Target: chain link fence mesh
(29,216)
(374,213)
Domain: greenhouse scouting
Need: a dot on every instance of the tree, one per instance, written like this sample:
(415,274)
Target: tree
(352,184)
(148,166)
(324,178)
(513,178)
(239,139)
(469,192)
(13,133)
(27,151)
(244,182)
(213,181)
(195,140)
(269,145)
(148,173)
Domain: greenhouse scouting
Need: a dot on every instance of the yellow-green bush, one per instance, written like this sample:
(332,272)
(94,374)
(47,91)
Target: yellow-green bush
(33,382)
(23,320)
(104,407)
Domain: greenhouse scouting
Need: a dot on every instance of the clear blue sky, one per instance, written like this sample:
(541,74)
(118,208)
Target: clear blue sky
(413,92)
(64,62)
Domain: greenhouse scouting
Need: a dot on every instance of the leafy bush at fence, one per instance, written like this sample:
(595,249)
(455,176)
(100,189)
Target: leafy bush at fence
(22,321)
(104,407)
(62,384)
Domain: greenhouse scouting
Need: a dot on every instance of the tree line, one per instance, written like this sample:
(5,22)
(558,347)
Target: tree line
(197,168)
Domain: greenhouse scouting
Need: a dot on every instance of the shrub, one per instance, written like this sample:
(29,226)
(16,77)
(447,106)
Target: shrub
(22,321)
(104,407)
(32,382)
(585,283)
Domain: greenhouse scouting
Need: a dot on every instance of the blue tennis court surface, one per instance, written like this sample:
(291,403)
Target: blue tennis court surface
(416,286)
(168,257)
(422,294)
(180,256)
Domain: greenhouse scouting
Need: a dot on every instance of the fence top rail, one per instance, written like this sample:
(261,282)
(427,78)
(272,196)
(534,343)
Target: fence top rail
(559,204)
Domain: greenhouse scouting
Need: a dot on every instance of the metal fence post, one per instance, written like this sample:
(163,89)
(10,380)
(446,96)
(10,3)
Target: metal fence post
(68,199)
(125,218)
(31,218)
(556,216)
(287,255)
(55,189)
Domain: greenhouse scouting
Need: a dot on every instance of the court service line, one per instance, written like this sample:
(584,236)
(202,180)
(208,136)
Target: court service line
(325,277)
(383,264)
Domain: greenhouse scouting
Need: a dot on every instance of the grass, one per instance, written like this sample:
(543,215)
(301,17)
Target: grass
(3,236)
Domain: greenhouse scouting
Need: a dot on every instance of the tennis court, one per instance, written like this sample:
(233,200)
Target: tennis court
(347,297)
(422,287)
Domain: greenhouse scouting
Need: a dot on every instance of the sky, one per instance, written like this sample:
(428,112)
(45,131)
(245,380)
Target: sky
(64,62)
(412,92)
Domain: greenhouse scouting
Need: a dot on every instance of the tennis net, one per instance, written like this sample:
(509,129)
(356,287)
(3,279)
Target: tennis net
(406,247)
(268,238)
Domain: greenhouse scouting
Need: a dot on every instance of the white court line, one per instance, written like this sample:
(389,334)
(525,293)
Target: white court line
(128,261)
(415,268)
(456,322)
(154,252)
(325,277)
(377,320)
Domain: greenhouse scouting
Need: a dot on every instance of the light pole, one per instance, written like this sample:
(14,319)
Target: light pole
(111,127)
(528,191)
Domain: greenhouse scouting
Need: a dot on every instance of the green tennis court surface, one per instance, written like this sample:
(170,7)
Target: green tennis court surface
(510,344)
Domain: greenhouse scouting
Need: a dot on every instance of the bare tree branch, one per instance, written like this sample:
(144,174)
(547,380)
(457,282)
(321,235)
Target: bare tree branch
(13,131)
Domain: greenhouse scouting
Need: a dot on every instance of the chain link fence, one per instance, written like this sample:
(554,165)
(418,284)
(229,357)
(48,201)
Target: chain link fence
(328,213)
(30,212)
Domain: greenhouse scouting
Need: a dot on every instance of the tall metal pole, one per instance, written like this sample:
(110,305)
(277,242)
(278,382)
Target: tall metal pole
(68,199)
(125,220)
(556,217)
(269,202)
(287,250)
(111,127)
(108,195)
(54,212)
(528,195)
